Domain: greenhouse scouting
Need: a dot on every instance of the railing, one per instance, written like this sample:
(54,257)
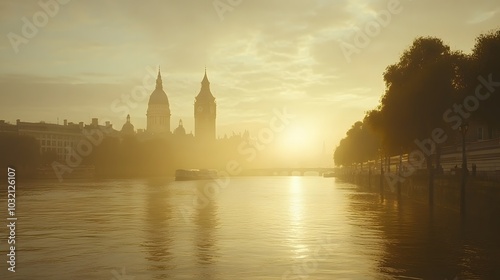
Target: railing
(484,154)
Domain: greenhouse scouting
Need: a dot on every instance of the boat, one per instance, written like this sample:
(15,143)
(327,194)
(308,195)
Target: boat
(195,174)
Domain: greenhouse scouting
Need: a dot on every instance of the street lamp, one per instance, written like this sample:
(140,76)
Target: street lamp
(463,129)
(381,173)
(400,171)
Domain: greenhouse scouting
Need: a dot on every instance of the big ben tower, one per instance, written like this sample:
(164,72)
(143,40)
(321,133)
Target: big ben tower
(204,112)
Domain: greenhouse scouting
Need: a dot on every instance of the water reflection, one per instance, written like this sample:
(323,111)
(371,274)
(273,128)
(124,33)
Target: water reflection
(158,227)
(428,243)
(296,216)
(206,222)
(256,228)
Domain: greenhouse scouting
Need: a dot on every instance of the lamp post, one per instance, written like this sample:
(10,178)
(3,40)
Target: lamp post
(381,173)
(400,172)
(369,174)
(463,129)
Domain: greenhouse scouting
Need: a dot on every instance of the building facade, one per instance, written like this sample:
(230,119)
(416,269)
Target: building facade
(61,140)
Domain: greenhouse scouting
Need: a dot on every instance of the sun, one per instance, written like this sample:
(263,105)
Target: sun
(297,139)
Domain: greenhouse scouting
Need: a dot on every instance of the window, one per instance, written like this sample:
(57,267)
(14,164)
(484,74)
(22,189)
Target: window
(480,133)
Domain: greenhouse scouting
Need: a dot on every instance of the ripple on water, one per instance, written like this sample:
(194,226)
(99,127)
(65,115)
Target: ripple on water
(255,228)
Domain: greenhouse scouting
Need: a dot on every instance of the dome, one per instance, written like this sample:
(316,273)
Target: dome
(128,128)
(158,97)
(180,129)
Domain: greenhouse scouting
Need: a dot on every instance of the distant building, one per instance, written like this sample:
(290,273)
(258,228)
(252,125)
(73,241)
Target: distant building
(158,113)
(180,131)
(204,112)
(479,131)
(128,128)
(62,139)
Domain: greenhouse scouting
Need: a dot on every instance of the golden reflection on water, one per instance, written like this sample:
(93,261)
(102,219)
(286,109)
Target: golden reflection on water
(296,217)
(255,228)
(158,226)
(296,203)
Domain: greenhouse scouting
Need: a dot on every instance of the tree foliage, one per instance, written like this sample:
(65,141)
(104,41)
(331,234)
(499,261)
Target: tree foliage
(360,144)
(428,80)
(486,64)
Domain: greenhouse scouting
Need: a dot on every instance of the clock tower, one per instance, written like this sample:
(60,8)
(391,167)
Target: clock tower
(204,112)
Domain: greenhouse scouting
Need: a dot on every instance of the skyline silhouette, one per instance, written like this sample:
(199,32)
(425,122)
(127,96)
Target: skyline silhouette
(247,139)
(292,56)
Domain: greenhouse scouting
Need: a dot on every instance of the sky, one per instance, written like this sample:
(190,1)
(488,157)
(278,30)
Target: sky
(320,61)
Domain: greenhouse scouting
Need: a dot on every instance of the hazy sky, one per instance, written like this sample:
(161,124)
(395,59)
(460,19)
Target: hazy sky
(87,57)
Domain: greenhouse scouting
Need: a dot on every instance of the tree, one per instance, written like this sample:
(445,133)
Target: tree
(19,151)
(486,64)
(419,88)
(360,145)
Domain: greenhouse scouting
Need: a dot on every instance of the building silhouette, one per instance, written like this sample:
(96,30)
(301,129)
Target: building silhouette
(158,113)
(204,112)
(61,140)
(180,130)
(128,128)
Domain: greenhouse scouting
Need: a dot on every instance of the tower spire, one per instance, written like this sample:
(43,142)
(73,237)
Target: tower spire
(205,78)
(158,79)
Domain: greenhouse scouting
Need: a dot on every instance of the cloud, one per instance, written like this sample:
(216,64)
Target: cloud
(262,55)
(480,17)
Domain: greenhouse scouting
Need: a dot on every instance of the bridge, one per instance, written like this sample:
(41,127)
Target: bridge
(318,171)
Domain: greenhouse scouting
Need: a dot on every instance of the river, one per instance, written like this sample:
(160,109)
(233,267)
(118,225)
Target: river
(251,228)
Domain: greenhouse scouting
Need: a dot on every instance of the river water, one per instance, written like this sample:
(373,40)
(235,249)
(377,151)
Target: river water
(251,228)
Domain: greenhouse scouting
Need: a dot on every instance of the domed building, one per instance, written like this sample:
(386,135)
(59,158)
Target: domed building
(180,131)
(128,128)
(158,114)
(180,135)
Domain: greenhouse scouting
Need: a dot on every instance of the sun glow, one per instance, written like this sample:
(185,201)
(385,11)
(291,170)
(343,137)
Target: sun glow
(296,137)
(301,144)
(298,140)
